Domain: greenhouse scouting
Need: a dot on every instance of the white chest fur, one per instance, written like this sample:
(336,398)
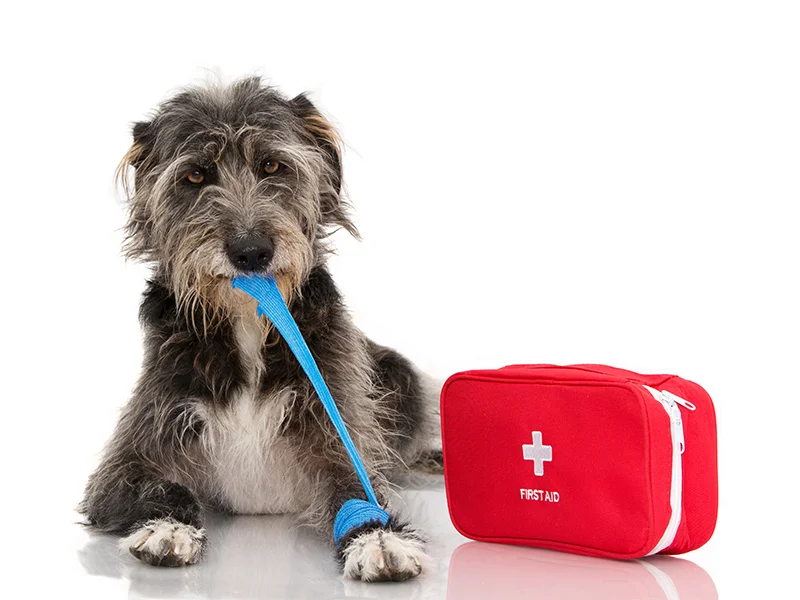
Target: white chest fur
(253,469)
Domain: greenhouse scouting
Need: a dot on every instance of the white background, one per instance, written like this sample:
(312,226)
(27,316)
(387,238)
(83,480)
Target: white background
(611,182)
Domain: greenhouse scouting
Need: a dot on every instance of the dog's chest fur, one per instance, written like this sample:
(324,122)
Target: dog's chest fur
(252,467)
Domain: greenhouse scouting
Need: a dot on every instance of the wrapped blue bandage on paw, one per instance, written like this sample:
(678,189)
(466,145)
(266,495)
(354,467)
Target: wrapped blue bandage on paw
(264,290)
(355,513)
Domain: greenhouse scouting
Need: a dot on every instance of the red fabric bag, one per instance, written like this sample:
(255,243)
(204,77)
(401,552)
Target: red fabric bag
(586,459)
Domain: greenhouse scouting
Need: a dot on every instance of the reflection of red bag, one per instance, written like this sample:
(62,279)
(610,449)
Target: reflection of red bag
(587,459)
(490,571)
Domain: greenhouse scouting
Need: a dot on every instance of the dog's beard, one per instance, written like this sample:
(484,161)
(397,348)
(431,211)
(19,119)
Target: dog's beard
(200,275)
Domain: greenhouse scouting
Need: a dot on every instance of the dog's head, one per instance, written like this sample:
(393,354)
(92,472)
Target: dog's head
(233,179)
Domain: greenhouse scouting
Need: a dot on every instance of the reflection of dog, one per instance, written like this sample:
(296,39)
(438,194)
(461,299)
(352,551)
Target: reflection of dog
(232,179)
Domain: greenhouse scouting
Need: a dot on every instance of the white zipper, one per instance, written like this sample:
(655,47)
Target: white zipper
(672,404)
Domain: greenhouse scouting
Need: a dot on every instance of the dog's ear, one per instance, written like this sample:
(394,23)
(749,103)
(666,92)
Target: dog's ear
(335,208)
(142,143)
(138,153)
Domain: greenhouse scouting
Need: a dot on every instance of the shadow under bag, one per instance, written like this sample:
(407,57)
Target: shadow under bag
(587,459)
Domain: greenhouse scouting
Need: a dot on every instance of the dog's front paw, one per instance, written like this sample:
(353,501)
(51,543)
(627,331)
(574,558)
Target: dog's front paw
(166,543)
(384,555)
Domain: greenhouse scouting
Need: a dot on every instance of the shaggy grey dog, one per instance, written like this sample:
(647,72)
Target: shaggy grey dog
(233,179)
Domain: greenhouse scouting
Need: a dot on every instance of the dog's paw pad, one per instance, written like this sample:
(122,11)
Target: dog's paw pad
(166,543)
(384,555)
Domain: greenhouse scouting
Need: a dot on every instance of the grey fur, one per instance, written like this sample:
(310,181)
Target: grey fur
(222,416)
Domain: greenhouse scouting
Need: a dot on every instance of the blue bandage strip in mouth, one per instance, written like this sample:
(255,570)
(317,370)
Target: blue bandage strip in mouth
(264,290)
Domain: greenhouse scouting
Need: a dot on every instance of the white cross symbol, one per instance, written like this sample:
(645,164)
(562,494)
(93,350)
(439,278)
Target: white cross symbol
(538,453)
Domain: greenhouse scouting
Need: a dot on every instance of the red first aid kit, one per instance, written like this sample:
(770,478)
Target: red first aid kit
(586,459)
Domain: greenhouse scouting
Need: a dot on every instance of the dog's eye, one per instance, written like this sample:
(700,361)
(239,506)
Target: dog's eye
(271,166)
(196,177)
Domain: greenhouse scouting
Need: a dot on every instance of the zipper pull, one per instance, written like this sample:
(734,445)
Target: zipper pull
(673,403)
(677,419)
(678,400)
(675,400)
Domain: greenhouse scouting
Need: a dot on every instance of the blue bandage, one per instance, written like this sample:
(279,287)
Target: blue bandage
(355,513)
(264,290)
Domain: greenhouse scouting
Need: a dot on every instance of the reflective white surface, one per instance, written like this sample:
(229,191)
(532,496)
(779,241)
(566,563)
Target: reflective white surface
(269,557)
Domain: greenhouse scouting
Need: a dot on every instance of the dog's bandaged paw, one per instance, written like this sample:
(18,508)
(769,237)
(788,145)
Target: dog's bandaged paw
(384,555)
(166,543)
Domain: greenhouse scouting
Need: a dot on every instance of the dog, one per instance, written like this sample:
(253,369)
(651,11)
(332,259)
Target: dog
(223,180)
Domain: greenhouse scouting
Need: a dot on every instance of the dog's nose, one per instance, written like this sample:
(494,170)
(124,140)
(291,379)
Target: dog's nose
(251,254)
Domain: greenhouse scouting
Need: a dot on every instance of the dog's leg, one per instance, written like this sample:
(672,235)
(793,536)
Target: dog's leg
(408,421)
(163,520)
(375,552)
(129,495)
(411,419)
